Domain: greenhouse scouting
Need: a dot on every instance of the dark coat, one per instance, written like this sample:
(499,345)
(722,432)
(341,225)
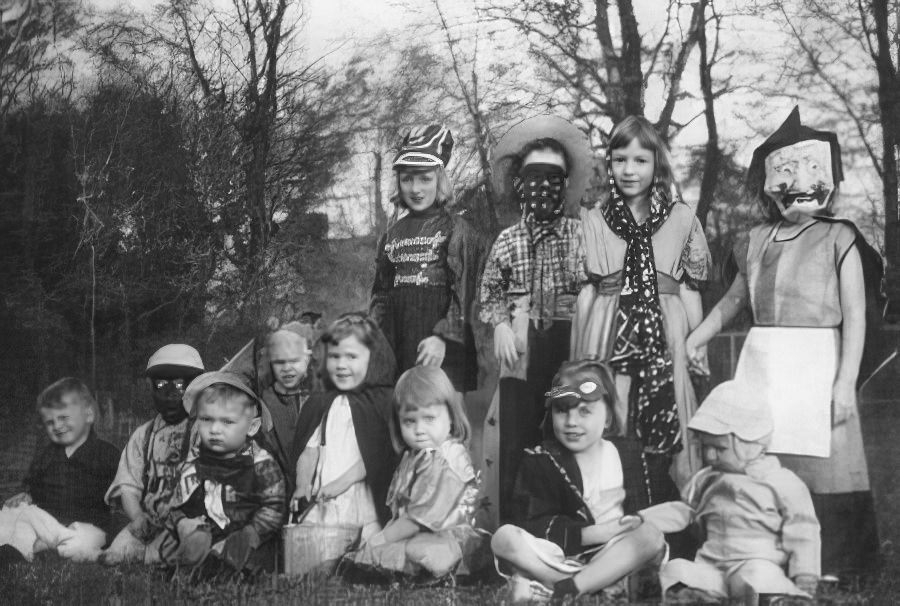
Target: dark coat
(371,408)
(547,498)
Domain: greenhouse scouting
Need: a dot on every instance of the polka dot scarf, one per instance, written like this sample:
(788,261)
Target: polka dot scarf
(640,347)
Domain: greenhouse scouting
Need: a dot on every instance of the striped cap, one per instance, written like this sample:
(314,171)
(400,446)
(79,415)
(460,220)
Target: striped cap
(425,147)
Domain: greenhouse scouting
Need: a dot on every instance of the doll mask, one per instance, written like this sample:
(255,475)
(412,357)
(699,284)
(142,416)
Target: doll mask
(799,178)
(541,189)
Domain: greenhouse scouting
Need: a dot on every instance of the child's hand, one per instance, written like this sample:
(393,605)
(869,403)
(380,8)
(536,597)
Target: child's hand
(332,490)
(696,355)
(431,351)
(505,344)
(376,539)
(140,526)
(23,498)
(843,401)
(807,583)
(630,523)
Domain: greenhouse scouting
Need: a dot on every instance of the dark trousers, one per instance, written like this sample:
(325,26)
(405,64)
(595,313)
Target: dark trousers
(522,404)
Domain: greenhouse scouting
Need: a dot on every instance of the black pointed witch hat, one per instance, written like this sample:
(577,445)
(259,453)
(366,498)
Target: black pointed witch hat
(790,132)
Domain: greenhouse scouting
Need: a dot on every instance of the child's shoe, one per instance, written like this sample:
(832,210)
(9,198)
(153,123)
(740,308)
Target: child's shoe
(522,590)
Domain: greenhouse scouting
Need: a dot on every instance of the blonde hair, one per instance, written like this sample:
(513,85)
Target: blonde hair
(444,196)
(424,386)
(218,392)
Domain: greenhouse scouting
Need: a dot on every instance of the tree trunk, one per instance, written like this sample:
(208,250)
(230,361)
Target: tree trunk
(713,160)
(380,215)
(889,105)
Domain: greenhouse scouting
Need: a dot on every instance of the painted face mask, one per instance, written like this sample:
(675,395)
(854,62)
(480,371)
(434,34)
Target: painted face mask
(799,178)
(167,395)
(541,190)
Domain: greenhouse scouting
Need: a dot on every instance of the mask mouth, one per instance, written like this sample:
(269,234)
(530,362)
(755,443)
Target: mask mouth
(817,196)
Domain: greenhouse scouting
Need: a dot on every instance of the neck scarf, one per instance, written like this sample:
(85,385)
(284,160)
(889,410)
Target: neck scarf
(640,349)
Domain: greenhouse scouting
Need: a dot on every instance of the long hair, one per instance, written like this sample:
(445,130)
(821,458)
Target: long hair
(424,386)
(637,128)
(444,196)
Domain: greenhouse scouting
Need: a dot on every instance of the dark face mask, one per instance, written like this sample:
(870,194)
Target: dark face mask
(541,189)
(167,399)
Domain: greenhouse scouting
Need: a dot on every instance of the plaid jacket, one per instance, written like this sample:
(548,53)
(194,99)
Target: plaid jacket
(542,262)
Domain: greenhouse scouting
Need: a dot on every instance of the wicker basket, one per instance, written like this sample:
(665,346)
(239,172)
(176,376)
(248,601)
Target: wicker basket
(314,548)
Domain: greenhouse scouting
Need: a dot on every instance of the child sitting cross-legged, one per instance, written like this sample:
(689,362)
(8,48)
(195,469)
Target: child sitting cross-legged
(230,501)
(148,470)
(572,492)
(761,531)
(434,491)
(62,505)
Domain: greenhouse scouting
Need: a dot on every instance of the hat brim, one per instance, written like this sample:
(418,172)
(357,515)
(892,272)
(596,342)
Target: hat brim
(189,400)
(546,127)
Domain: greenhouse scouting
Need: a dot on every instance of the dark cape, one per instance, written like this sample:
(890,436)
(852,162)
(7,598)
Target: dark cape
(371,410)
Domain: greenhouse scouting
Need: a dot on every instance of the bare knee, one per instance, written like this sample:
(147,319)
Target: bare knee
(507,541)
(649,540)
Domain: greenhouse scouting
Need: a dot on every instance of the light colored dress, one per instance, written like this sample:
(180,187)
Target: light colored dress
(340,452)
(680,252)
(793,281)
(437,489)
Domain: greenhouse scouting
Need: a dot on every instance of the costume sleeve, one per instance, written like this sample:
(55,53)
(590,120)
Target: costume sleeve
(578,258)
(464,254)
(495,283)
(271,487)
(538,507)
(438,485)
(800,532)
(384,282)
(695,258)
(130,473)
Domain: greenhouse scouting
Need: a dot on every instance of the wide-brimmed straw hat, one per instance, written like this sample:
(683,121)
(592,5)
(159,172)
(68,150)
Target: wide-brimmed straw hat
(196,386)
(734,407)
(576,144)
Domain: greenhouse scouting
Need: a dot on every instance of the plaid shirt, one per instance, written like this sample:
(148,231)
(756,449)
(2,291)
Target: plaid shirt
(543,263)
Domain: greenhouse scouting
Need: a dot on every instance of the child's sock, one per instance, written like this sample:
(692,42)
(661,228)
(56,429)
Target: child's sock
(565,587)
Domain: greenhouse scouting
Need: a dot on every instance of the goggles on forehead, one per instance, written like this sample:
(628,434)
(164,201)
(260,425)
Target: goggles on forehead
(570,395)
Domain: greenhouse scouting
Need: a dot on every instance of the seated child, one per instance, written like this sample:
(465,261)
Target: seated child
(62,505)
(230,501)
(344,459)
(760,527)
(148,469)
(434,492)
(288,354)
(570,498)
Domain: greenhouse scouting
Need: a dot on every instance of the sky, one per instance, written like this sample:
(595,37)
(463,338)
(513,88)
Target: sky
(334,29)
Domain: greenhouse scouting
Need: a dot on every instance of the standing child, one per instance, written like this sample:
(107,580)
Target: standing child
(570,531)
(427,267)
(148,470)
(802,276)
(343,453)
(434,491)
(761,533)
(230,501)
(529,287)
(289,355)
(65,482)
(644,256)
